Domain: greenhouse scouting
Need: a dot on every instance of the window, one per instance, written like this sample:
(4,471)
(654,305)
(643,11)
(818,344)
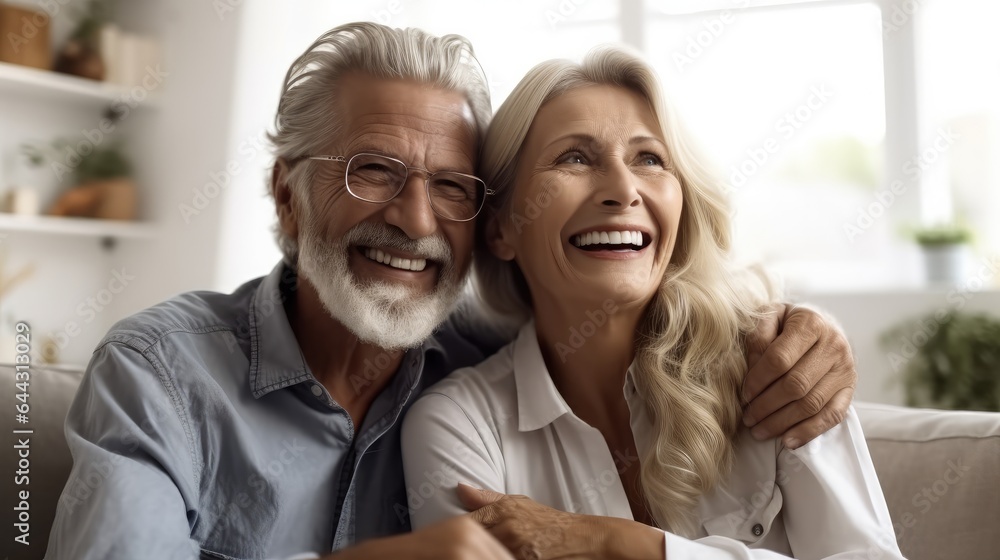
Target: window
(788,102)
(958,78)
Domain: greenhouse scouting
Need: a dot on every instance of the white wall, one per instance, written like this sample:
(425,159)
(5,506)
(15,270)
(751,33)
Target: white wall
(189,139)
(864,316)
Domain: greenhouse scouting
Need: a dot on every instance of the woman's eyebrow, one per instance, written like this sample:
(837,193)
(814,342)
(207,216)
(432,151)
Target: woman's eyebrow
(641,139)
(578,136)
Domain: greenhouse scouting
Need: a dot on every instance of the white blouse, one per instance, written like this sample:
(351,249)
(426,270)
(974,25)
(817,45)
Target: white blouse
(503,425)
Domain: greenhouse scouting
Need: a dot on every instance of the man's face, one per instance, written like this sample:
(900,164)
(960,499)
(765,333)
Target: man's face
(345,242)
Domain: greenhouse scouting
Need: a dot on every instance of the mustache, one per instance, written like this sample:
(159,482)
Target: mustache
(369,234)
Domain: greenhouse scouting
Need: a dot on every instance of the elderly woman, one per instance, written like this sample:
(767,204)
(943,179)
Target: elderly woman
(620,396)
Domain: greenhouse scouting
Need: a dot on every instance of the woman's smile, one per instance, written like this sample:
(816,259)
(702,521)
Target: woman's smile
(616,242)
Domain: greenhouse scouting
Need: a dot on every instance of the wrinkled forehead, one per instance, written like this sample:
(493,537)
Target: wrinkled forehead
(605,112)
(415,120)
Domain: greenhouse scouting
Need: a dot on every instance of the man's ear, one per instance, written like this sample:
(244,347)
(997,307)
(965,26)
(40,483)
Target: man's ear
(497,239)
(284,202)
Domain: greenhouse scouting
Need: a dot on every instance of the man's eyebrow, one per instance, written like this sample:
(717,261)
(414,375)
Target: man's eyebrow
(369,149)
(364,148)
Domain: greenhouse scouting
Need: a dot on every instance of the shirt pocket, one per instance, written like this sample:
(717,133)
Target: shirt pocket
(747,517)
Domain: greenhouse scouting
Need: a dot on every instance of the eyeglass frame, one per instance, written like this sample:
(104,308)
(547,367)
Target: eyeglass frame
(427,181)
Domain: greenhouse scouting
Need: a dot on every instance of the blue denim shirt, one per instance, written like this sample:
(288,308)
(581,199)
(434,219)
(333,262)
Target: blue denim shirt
(199,431)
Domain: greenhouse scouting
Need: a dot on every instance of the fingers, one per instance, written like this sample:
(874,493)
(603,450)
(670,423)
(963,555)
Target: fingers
(833,413)
(801,330)
(484,505)
(767,330)
(473,498)
(796,409)
(793,385)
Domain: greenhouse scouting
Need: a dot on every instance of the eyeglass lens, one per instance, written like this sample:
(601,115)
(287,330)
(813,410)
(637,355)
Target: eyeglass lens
(378,179)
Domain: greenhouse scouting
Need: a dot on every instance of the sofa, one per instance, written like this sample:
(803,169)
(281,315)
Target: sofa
(939,470)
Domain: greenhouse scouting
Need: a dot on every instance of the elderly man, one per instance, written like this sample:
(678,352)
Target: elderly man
(265,423)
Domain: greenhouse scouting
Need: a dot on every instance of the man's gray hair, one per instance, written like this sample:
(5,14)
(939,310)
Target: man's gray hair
(304,123)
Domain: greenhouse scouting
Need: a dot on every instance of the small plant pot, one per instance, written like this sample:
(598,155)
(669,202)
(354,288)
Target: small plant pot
(106,199)
(945,263)
(118,201)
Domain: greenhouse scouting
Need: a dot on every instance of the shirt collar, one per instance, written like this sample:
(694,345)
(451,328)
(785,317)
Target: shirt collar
(539,402)
(275,358)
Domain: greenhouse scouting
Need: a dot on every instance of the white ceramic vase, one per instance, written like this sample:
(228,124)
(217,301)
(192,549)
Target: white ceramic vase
(945,264)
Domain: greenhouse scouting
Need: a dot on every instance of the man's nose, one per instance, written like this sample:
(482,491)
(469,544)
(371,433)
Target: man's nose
(411,210)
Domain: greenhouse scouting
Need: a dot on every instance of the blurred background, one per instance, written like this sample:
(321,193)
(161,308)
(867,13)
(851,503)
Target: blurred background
(859,141)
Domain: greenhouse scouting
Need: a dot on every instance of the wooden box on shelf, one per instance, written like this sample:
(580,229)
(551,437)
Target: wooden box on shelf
(25,37)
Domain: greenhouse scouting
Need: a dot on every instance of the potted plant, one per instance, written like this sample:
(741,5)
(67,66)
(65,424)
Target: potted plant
(81,55)
(945,250)
(102,184)
(952,362)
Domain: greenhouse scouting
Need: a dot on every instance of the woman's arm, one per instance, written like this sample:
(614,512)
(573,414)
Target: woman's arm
(833,500)
(442,447)
(832,505)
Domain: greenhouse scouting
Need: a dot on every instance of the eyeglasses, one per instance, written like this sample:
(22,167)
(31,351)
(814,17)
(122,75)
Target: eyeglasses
(377,178)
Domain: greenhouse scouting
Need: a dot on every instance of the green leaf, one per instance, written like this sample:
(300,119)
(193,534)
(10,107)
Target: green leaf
(957,361)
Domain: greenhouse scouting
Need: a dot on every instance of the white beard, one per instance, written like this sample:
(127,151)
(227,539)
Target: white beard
(388,315)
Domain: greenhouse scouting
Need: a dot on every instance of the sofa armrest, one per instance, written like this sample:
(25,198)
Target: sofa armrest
(940,473)
(50,392)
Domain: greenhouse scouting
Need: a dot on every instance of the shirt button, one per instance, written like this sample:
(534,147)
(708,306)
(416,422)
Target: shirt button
(317,390)
(758,530)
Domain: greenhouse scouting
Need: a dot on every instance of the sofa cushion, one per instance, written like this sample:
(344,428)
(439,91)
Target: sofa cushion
(50,393)
(940,473)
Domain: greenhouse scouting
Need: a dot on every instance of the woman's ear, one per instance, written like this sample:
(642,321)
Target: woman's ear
(497,239)
(284,202)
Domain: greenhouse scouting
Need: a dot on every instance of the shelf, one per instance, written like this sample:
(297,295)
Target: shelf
(77,226)
(65,88)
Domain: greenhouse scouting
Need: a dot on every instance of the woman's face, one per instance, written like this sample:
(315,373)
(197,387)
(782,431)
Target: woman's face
(595,207)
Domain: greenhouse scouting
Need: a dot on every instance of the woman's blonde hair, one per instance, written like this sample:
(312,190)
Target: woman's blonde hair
(689,348)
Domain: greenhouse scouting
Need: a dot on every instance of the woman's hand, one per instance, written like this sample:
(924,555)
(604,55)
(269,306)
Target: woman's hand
(533,531)
(801,376)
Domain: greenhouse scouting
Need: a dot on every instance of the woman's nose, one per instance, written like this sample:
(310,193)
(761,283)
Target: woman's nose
(618,188)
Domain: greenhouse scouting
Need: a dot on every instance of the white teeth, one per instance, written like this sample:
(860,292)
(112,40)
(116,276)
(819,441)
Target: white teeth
(608,238)
(379,256)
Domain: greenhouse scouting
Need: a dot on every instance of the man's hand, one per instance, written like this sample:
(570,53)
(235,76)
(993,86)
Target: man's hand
(458,538)
(533,531)
(801,376)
